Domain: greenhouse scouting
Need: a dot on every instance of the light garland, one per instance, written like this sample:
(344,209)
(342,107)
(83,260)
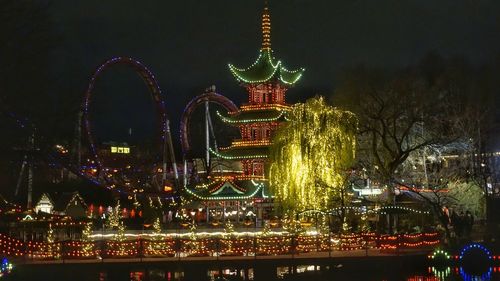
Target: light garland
(247,143)
(53,249)
(266,106)
(237,157)
(316,146)
(228,242)
(243,197)
(440,273)
(470,277)
(385,208)
(216,190)
(475,246)
(5,267)
(245,121)
(265,57)
(87,245)
(119,242)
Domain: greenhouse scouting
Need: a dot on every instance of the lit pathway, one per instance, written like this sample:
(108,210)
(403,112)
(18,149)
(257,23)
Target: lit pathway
(311,255)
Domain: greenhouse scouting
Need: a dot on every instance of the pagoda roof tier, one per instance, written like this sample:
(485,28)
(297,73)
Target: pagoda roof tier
(247,143)
(240,153)
(264,106)
(254,116)
(231,189)
(266,68)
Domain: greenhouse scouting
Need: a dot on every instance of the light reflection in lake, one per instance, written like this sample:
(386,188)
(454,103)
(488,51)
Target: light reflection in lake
(305,272)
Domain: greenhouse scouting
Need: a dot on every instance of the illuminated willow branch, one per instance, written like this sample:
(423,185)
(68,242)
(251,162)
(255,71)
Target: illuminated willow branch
(311,154)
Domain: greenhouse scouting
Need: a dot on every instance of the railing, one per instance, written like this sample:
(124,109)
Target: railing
(218,246)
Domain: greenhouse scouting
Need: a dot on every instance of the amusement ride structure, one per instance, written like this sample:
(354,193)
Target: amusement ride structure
(240,194)
(241,191)
(165,139)
(210,96)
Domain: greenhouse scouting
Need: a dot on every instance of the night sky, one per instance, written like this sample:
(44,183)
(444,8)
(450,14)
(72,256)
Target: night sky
(187,44)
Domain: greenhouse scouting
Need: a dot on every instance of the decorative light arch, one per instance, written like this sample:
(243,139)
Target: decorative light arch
(475,246)
(313,211)
(189,109)
(440,253)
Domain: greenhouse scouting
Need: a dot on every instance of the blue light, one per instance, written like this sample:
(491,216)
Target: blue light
(475,245)
(486,276)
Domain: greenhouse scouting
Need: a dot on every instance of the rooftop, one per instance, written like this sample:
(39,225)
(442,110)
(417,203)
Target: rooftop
(266,68)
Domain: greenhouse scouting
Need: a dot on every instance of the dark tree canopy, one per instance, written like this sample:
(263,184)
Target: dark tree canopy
(404,111)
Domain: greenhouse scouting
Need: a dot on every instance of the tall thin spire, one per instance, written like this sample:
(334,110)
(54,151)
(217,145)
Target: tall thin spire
(266,28)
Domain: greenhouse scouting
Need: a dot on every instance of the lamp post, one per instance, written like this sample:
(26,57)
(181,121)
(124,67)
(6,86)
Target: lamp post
(200,209)
(192,212)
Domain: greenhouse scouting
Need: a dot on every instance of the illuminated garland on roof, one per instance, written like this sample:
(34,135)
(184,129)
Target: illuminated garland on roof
(228,120)
(283,69)
(223,197)
(251,177)
(250,143)
(250,107)
(261,53)
(236,157)
(263,66)
(237,72)
(234,186)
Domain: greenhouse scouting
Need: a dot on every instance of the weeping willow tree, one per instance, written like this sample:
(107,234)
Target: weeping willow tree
(311,155)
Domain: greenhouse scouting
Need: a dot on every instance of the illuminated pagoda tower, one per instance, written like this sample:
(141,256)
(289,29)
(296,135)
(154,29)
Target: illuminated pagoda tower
(266,82)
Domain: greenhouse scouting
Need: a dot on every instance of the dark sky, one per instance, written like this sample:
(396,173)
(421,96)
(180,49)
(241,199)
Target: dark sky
(187,44)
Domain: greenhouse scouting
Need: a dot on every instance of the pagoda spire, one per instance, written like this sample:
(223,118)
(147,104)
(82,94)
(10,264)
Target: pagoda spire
(266,28)
(266,67)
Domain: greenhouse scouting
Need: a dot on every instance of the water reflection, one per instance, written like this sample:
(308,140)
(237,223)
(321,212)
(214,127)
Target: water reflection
(152,275)
(305,272)
(440,273)
(231,274)
(265,272)
(484,276)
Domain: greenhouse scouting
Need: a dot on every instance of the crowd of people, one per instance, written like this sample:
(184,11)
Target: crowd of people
(462,223)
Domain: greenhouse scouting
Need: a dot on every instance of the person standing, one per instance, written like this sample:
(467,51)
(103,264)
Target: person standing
(469,222)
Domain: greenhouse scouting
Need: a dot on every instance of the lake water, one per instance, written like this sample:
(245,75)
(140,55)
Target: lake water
(387,272)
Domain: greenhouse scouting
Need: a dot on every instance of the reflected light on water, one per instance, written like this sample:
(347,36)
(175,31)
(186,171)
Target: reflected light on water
(297,272)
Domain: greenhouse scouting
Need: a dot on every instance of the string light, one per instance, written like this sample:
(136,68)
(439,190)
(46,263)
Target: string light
(385,208)
(316,146)
(266,106)
(227,157)
(475,246)
(6,267)
(228,242)
(251,143)
(232,120)
(264,68)
(242,197)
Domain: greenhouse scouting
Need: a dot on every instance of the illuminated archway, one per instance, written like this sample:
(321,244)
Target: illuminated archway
(474,246)
(438,253)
